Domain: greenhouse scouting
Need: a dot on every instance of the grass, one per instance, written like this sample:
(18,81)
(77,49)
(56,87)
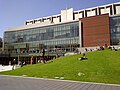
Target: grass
(100,67)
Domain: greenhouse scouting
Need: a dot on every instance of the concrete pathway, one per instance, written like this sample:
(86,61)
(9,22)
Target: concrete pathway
(8,68)
(24,83)
(5,68)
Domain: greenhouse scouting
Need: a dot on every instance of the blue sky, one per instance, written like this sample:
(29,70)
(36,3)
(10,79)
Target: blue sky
(16,12)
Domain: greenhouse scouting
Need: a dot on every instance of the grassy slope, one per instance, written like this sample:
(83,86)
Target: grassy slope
(101,66)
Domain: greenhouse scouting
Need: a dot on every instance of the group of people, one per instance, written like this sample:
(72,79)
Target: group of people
(19,63)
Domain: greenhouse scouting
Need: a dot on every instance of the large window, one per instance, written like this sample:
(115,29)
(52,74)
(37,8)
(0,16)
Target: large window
(43,33)
(53,35)
(115,30)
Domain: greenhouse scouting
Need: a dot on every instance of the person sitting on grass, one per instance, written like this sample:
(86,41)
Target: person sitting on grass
(83,57)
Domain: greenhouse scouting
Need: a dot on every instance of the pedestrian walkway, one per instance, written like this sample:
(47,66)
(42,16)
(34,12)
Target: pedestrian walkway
(5,68)
(24,83)
(9,67)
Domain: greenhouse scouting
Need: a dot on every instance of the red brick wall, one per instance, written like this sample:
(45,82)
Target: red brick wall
(95,31)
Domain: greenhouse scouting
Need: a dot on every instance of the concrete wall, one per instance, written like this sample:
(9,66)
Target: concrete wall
(56,19)
(70,14)
(67,15)
(80,33)
(117,9)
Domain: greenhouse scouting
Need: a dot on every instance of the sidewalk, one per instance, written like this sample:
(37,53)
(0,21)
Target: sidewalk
(5,68)
(27,83)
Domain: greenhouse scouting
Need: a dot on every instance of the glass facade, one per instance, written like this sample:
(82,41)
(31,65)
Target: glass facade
(115,30)
(51,37)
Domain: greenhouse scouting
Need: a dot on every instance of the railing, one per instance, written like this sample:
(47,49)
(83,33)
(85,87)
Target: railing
(4,54)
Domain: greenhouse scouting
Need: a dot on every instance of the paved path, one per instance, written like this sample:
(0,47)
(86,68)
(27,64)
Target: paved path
(5,68)
(20,83)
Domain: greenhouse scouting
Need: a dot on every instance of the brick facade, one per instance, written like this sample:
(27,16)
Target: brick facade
(95,31)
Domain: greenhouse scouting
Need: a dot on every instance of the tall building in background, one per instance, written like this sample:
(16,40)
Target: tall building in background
(65,32)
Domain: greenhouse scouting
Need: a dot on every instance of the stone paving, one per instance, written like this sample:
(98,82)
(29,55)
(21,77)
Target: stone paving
(24,83)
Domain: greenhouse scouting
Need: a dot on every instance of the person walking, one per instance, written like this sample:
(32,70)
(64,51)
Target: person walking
(13,68)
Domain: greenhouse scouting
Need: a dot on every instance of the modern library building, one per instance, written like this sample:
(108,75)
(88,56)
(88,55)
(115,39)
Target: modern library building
(64,32)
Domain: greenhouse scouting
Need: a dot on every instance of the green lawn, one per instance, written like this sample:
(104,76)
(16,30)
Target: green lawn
(101,67)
